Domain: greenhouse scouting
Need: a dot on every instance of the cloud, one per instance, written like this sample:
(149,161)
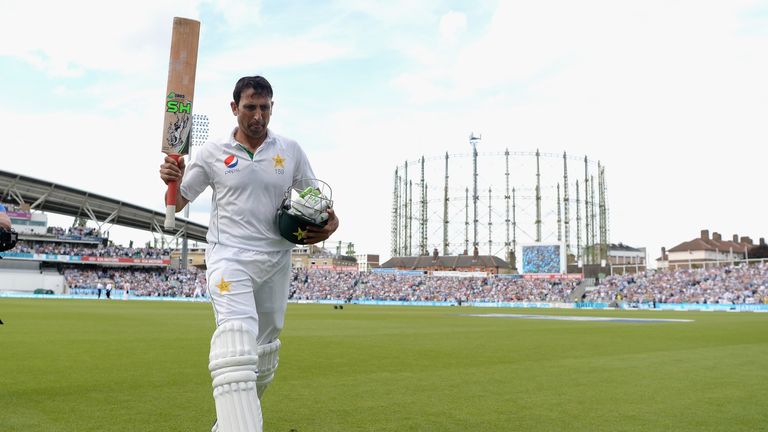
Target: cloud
(120,37)
(268,52)
(525,44)
(392,13)
(237,14)
(452,25)
(669,102)
(669,96)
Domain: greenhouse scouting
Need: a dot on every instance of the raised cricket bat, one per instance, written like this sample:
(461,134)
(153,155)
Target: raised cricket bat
(177,126)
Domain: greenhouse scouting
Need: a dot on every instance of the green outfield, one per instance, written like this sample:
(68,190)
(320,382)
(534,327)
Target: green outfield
(85,365)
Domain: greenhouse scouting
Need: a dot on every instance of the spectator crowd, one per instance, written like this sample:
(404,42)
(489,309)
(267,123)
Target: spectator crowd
(73,232)
(331,285)
(137,282)
(63,248)
(84,241)
(717,285)
(724,285)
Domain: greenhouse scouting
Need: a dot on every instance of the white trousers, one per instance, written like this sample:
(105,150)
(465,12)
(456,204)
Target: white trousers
(251,287)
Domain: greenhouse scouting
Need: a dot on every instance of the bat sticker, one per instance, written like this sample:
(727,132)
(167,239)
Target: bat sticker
(180,126)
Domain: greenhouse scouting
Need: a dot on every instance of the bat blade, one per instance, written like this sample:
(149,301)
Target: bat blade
(177,125)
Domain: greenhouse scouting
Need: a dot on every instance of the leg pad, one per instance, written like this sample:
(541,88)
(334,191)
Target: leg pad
(233,364)
(268,361)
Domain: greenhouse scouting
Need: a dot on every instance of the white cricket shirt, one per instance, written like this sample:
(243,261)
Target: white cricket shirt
(246,191)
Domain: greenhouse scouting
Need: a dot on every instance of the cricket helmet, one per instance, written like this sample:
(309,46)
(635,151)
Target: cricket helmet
(305,203)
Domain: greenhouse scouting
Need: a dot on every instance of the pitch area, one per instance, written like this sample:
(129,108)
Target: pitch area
(86,365)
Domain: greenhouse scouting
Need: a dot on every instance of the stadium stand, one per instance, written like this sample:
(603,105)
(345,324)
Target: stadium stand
(133,282)
(79,261)
(350,286)
(742,284)
(38,261)
(725,285)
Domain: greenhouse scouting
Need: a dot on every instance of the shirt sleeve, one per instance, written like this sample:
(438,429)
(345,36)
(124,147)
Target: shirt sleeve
(197,176)
(303,170)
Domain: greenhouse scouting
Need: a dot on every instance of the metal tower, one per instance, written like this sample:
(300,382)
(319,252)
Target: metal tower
(446,244)
(490,225)
(410,217)
(514,224)
(466,221)
(473,140)
(538,199)
(593,252)
(566,205)
(395,249)
(601,207)
(587,241)
(507,244)
(559,219)
(578,224)
(423,216)
(406,214)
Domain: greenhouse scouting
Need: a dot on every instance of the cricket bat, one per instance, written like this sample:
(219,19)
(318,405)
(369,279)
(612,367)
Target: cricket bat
(177,126)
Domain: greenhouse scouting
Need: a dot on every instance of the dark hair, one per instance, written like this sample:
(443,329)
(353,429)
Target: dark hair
(259,84)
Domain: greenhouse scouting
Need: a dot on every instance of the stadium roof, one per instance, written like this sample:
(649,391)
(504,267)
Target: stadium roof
(623,247)
(454,262)
(55,198)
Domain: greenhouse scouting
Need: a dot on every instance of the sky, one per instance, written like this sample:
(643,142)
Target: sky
(671,97)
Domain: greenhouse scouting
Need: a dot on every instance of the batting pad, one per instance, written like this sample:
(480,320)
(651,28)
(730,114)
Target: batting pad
(233,365)
(268,361)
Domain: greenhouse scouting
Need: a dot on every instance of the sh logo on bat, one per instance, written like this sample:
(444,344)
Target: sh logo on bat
(175,106)
(178,129)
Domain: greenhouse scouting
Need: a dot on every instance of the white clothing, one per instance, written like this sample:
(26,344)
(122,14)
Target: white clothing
(248,262)
(246,191)
(250,287)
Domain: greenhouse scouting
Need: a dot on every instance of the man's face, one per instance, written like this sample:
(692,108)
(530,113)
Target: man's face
(253,114)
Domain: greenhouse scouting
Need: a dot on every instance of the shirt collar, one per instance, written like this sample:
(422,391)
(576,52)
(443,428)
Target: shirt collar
(233,142)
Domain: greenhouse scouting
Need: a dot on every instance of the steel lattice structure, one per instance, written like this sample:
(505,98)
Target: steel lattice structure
(529,199)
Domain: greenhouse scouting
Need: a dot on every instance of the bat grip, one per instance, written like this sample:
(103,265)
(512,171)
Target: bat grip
(170,199)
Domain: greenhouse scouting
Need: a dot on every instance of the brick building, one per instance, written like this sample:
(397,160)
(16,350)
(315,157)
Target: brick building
(705,250)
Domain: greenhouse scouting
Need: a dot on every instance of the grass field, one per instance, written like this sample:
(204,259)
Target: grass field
(83,365)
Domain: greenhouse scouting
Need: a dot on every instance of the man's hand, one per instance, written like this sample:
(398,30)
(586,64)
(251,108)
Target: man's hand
(170,170)
(316,235)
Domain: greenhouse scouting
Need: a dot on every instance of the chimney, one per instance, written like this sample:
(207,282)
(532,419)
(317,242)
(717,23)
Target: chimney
(746,240)
(435,254)
(664,253)
(705,234)
(762,241)
(717,237)
(735,238)
(475,253)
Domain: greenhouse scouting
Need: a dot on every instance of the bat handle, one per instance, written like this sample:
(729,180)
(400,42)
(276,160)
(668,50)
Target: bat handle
(170,200)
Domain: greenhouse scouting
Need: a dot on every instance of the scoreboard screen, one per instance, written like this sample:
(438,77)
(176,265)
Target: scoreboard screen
(543,258)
